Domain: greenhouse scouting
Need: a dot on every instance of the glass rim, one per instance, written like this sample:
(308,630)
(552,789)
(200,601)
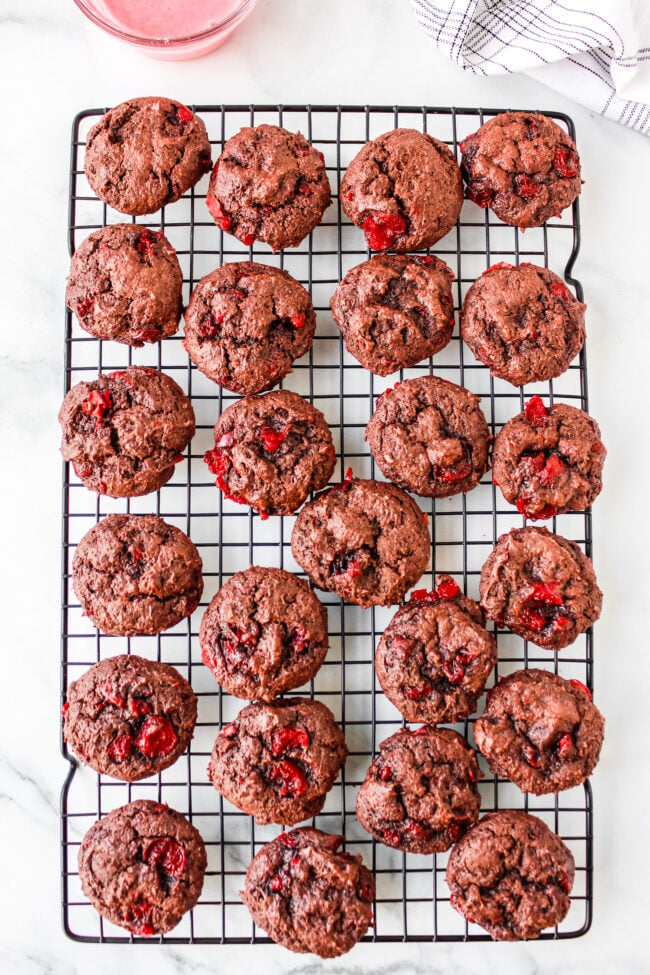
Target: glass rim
(163,41)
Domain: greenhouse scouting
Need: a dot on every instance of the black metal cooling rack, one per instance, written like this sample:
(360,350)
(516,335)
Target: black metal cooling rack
(412,896)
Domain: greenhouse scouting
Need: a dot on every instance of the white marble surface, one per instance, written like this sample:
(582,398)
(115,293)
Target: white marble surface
(358,51)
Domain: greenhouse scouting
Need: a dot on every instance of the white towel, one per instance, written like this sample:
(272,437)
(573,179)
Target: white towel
(596,51)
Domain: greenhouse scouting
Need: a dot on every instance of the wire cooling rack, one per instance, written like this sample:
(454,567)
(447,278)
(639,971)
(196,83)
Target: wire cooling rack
(412,896)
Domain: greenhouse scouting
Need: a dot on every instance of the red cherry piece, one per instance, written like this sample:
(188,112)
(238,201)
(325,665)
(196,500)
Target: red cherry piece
(208,326)
(531,756)
(526,187)
(563,881)
(452,475)
(217,463)
(65,708)
(535,462)
(565,745)
(184,115)
(466,656)
(453,671)
(448,588)
(545,593)
(391,838)
(480,194)
(418,831)
(418,693)
(275,883)
(291,779)
(298,321)
(138,707)
(246,239)
(140,919)
(536,412)
(561,622)
(383,229)
(226,440)
(552,469)
(229,731)
(561,291)
(498,267)
(305,187)
(286,738)
(156,737)
(365,893)
(426,261)
(581,687)
(300,640)
(220,218)
(97,404)
(532,619)
(272,439)
(385,774)
(120,748)
(565,162)
(423,596)
(84,307)
(110,695)
(524,508)
(287,839)
(168,854)
(144,243)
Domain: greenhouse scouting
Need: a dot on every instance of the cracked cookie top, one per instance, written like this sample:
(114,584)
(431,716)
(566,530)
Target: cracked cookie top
(522,322)
(245,325)
(540,731)
(364,540)
(523,166)
(511,875)
(548,460)
(540,585)
(125,284)
(420,793)
(135,574)
(142,867)
(404,189)
(129,717)
(145,153)
(269,184)
(430,436)
(395,310)
(308,896)
(271,451)
(264,633)
(277,761)
(124,431)
(435,655)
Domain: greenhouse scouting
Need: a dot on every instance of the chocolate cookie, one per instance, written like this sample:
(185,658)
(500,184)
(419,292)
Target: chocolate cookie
(126,284)
(430,437)
(129,717)
(523,323)
(264,633)
(278,761)
(135,574)
(540,731)
(271,451)
(124,432)
(145,153)
(404,189)
(246,324)
(269,184)
(395,310)
(542,586)
(307,896)
(142,867)
(368,542)
(435,655)
(511,875)
(420,794)
(522,166)
(549,460)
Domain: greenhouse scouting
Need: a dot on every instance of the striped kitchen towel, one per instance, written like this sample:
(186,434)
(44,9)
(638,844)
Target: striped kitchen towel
(597,51)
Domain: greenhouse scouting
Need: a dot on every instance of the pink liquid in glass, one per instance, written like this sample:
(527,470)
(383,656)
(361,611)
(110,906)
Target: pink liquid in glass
(168,18)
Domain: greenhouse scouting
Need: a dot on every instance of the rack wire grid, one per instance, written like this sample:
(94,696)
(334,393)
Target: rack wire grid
(412,902)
